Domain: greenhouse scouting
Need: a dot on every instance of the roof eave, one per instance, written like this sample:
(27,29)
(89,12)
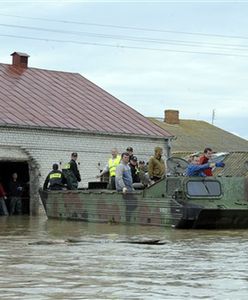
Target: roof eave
(75,130)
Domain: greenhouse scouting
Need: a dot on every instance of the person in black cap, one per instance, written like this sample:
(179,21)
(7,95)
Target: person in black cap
(130,152)
(55,179)
(71,172)
(133,164)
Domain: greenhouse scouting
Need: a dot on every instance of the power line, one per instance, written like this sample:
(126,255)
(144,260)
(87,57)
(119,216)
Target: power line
(133,38)
(128,27)
(122,46)
(170,42)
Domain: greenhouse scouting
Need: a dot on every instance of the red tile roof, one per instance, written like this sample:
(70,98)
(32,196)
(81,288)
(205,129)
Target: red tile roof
(43,98)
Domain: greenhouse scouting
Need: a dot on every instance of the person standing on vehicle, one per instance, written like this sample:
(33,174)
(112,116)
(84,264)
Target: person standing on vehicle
(197,169)
(72,173)
(156,165)
(123,178)
(110,168)
(130,152)
(207,154)
(133,164)
(55,179)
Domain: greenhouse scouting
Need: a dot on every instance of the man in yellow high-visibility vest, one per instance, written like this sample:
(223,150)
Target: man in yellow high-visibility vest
(110,168)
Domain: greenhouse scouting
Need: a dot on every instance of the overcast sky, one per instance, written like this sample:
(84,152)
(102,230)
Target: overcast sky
(152,55)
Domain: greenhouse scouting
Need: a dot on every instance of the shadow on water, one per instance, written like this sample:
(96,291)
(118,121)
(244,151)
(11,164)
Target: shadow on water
(194,264)
(39,227)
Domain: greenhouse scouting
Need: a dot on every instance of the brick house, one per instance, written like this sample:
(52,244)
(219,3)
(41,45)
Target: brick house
(46,115)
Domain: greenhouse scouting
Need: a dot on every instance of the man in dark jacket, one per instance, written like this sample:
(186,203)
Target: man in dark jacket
(55,179)
(71,172)
(130,152)
(14,193)
(134,169)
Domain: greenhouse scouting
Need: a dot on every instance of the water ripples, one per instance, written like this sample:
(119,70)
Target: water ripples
(191,264)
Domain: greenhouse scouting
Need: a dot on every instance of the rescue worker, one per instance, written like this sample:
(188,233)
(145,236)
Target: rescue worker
(110,168)
(156,165)
(55,179)
(195,168)
(123,179)
(72,173)
(207,154)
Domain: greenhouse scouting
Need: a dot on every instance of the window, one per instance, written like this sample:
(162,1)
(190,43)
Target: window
(204,188)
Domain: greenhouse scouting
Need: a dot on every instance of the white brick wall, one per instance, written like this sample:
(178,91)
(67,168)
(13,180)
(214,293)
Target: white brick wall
(47,147)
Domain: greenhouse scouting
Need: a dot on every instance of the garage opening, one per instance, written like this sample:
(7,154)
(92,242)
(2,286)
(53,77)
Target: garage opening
(7,168)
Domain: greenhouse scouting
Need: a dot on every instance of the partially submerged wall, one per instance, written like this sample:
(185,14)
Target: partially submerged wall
(41,148)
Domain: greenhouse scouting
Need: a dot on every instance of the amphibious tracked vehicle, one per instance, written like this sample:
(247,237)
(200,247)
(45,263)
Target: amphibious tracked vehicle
(175,201)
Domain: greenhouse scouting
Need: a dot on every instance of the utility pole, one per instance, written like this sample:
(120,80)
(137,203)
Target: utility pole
(213,116)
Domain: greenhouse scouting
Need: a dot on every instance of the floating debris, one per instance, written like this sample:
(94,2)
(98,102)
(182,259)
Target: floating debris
(143,242)
(47,242)
(77,241)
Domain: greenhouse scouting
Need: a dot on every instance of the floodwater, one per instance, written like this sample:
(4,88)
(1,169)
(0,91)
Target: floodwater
(95,263)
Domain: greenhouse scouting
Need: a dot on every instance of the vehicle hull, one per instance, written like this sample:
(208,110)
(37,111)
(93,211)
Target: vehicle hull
(166,203)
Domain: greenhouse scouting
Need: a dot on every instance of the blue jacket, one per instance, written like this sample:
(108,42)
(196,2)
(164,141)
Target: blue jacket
(123,177)
(196,170)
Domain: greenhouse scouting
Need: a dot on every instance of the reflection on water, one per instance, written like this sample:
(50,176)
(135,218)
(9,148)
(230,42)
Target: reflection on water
(191,264)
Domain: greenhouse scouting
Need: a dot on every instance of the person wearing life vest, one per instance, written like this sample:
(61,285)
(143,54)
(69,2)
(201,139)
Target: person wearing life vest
(110,168)
(55,179)
(72,173)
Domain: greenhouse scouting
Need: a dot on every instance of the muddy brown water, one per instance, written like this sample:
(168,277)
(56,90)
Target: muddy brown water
(191,264)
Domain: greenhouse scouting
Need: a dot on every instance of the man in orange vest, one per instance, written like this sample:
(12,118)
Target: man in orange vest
(110,168)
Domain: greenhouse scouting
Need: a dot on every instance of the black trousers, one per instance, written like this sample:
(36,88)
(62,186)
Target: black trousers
(112,183)
(56,188)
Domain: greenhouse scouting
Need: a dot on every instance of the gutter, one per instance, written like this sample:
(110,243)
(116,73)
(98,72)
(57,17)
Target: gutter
(80,131)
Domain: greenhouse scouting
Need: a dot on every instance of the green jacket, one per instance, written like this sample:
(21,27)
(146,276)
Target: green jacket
(156,167)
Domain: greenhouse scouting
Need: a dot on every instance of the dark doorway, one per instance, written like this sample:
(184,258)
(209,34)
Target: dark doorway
(7,168)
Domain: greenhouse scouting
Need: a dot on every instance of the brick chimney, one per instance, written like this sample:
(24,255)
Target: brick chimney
(171,116)
(20,60)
